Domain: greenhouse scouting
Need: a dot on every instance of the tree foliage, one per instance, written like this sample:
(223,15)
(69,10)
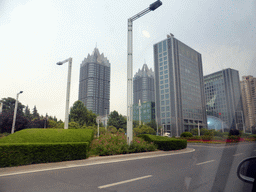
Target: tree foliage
(9,105)
(117,120)
(144,129)
(81,115)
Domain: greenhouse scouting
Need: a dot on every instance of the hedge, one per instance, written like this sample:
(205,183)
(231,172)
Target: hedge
(49,136)
(27,153)
(165,143)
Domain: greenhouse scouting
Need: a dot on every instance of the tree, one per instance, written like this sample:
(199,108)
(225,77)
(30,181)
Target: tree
(117,120)
(152,124)
(80,114)
(7,120)
(35,114)
(27,113)
(9,105)
(73,125)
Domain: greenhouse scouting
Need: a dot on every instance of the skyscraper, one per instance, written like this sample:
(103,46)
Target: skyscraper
(223,97)
(179,88)
(143,85)
(94,83)
(248,88)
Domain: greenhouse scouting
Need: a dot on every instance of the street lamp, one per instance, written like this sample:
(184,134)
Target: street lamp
(151,7)
(15,111)
(106,120)
(69,60)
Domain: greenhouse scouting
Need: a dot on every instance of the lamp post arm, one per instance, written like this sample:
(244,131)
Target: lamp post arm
(140,14)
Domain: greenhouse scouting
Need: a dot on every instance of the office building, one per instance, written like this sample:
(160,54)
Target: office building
(179,88)
(146,112)
(94,83)
(223,97)
(143,85)
(248,88)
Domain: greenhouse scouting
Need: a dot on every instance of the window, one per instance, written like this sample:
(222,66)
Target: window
(167,108)
(161,73)
(168,114)
(161,82)
(166,85)
(166,80)
(161,87)
(165,62)
(162,102)
(162,91)
(166,76)
(162,97)
(163,114)
(161,64)
(166,71)
(166,90)
(165,58)
(165,53)
(166,96)
(167,102)
(160,55)
(161,68)
(162,108)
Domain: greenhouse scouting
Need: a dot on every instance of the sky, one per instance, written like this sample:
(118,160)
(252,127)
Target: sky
(35,35)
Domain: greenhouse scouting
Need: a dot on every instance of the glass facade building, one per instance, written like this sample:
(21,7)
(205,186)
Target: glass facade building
(143,85)
(147,112)
(94,83)
(223,97)
(179,87)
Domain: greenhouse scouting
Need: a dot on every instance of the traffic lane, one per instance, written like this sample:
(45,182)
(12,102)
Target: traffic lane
(164,170)
(85,176)
(106,173)
(224,173)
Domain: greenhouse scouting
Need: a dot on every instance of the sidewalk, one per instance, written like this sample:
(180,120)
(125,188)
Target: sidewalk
(87,162)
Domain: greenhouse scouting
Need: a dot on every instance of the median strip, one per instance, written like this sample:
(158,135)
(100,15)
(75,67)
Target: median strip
(122,182)
(205,162)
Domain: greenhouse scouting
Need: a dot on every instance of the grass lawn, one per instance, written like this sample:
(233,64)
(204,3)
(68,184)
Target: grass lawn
(49,136)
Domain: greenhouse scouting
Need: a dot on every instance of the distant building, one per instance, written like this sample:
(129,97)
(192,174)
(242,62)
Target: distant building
(147,111)
(223,97)
(94,83)
(180,101)
(248,88)
(143,85)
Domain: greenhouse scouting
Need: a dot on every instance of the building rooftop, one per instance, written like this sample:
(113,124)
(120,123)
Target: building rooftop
(96,57)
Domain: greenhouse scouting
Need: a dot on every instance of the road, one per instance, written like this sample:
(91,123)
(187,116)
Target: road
(199,168)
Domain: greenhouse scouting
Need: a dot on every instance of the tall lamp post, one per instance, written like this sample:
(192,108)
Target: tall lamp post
(69,60)
(15,111)
(106,120)
(151,7)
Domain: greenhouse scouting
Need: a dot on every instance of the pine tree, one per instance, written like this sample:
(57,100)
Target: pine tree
(35,113)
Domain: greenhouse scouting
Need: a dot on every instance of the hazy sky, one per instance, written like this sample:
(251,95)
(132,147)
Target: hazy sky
(36,34)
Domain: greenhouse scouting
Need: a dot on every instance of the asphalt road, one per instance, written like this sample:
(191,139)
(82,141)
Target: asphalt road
(198,168)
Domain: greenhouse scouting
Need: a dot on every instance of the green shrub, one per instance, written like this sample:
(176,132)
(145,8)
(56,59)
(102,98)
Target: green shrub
(110,144)
(165,143)
(73,125)
(186,134)
(144,129)
(206,137)
(23,154)
(194,138)
(112,129)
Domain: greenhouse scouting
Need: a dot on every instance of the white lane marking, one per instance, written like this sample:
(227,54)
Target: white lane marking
(97,163)
(205,162)
(122,182)
(238,154)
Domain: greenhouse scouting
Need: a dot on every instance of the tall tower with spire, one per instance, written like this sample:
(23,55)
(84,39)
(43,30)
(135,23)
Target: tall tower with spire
(143,85)
(94,83)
